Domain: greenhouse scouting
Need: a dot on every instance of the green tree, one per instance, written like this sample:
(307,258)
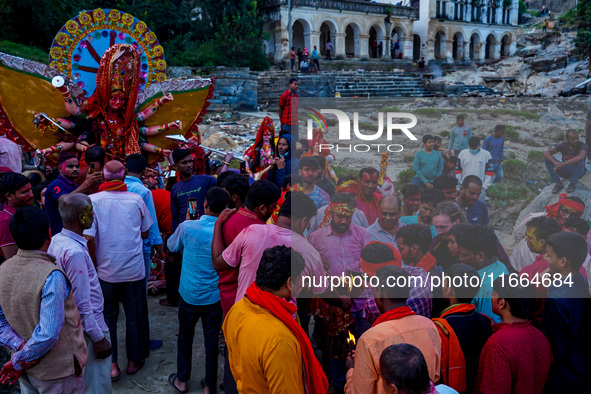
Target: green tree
(582,41)
(192,32)
(237,41)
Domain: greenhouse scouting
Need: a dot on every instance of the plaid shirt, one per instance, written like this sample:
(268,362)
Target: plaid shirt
(420,300)
(286,102)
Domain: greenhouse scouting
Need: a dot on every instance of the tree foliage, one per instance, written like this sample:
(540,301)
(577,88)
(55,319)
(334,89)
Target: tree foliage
(192,32)
(582,41)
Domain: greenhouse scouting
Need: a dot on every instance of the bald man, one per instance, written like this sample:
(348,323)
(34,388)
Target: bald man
(71,255)
(388,221)
(121,222)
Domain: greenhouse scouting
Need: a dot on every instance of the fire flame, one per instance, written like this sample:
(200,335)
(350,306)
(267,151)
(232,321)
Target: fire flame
(351,338)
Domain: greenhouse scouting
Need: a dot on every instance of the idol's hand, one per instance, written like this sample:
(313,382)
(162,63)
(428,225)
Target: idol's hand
(175,125)
(166,98)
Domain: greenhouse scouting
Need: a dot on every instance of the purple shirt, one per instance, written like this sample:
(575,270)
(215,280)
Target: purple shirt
(71,254)
(341,253)
(420,299)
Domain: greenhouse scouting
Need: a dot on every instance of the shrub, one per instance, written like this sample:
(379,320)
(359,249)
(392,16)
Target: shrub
(535,156)
(515,169)
(24,51)
(505,192)
(445,134)
(344,171)
(405,177)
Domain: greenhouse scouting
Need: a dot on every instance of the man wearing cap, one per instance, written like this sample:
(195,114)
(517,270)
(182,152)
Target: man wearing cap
(68,166)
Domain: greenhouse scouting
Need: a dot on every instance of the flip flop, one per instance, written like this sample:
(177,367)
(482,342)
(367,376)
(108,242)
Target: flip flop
(116,377)
(171,379)
(557,188)
(571,188)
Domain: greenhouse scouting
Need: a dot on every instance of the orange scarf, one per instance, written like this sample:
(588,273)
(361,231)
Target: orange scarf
(113,186)
(396,313)
(371,269)
(552,209)
(315,379)
(453,363)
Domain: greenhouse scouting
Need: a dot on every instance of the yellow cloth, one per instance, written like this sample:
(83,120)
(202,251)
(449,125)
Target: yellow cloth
(416,330)
(265,356)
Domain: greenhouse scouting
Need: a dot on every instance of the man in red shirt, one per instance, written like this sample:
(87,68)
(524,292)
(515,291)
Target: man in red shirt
(287,107)
(368,199)
(15,192)
(517,357)
(259,205)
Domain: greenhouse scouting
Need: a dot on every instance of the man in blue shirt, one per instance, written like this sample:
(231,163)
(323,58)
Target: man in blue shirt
(199,293)
(135,165)
(189,186)
(315,57)
(495,145)
(68,166)
(459,136)
(467,199)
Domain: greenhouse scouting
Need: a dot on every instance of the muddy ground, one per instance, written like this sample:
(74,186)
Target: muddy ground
(153,377)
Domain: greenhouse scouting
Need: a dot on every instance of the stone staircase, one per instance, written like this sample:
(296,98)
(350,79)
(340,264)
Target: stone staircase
(372,84)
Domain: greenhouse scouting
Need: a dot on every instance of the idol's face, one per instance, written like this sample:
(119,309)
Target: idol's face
(117,100)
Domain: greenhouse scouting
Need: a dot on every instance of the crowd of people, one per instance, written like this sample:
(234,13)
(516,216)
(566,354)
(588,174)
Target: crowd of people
(251,258)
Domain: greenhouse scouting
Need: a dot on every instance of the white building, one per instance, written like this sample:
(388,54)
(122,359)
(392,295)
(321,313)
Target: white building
(442,30)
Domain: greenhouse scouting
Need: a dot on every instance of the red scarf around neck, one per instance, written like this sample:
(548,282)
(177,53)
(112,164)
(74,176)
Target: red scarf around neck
(427,263)
(396,313)
(315,378)
(113,186)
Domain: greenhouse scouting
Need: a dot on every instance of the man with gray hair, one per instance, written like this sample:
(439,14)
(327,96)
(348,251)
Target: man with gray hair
(121,221)
(71,253)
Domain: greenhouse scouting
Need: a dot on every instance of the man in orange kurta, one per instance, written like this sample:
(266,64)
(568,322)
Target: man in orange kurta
(397,324)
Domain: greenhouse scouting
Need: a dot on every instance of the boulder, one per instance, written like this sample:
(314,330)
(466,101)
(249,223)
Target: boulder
(554,133)
(220,141)
(549,62)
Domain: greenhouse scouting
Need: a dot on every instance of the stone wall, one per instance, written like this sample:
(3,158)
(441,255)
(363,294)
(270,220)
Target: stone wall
(235,87)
